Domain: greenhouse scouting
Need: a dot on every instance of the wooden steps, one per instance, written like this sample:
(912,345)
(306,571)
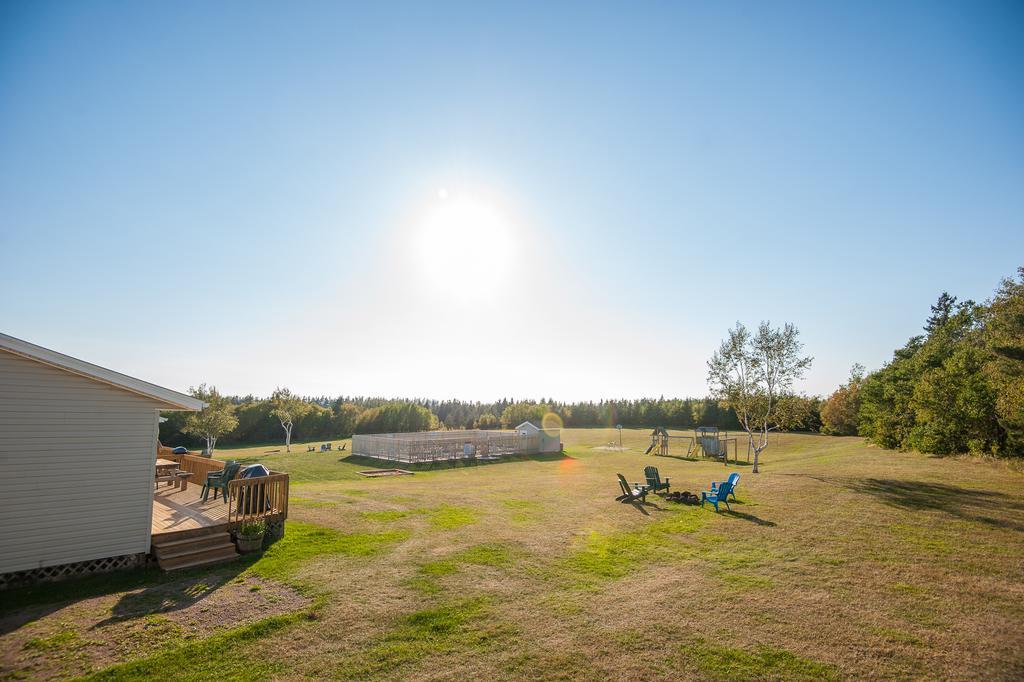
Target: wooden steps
(210,548)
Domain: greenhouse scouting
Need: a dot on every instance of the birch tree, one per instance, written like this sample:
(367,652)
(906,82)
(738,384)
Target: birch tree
(288,408)
(753,373)
(215,420)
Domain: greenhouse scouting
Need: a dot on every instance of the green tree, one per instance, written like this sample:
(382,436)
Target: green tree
(886,414)
(396,417)
(798,413)
(488,421)
(256,424)
(943,309)
(345,417)
(1004,339)
(526,410)
(751,373)
(214,420)
(954,405)
(317,422)
(839,413)
(287,408)
(936,395)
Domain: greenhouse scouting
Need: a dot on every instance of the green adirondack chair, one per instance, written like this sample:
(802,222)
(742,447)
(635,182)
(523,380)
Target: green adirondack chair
(629,493)
(218,480)
(654,482)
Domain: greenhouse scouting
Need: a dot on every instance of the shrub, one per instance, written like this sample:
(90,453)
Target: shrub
(250,530)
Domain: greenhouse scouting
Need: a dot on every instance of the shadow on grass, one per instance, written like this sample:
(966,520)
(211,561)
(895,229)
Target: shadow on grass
(640,507)
(147,590)
(372,463)
(965,503)
(750,517)
(184,591)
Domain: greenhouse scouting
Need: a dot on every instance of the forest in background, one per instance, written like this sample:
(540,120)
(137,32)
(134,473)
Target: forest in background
(326,418)
(957,388)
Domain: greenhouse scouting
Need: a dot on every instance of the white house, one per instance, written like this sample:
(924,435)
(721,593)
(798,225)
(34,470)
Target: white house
(77,452)
(548,440)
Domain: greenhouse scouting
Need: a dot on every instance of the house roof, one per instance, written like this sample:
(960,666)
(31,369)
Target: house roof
(172,400)
(530,424)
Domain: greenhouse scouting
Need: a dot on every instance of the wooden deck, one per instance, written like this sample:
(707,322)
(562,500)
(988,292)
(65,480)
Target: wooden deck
(179,511)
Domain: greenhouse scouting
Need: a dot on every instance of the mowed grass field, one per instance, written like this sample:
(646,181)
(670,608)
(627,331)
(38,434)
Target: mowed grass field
(840,560)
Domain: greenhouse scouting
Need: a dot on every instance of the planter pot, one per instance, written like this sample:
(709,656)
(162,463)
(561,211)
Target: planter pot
(249,545)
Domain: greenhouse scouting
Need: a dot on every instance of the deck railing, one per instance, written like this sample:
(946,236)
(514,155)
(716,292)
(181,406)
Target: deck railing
(199,467)
(249,499)
(252,499)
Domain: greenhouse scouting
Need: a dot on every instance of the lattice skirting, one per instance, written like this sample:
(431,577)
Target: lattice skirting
(74,570)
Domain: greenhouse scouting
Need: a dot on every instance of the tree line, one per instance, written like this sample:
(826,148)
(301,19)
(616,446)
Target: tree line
(241,420)
(959,387)
(956,388)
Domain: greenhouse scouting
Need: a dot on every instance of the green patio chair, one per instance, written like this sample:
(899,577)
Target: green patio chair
(631,494)
(654,482)
(218,480)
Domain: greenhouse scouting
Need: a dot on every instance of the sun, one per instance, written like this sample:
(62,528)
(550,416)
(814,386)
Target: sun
(464,244)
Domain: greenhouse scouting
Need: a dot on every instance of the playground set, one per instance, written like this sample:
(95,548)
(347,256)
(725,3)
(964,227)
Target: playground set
(708,439)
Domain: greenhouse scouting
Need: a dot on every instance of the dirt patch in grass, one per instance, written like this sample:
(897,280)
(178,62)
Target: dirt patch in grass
(312,503)
(445,516)
(76,638)
(490,554)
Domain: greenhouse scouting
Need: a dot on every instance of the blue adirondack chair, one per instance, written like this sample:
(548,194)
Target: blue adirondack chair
(733,481)
(719,494)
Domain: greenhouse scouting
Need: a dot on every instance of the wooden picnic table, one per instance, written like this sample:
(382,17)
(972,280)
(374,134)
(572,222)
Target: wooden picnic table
(167,471)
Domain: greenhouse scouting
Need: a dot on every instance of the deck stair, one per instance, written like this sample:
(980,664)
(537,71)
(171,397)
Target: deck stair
(206,549)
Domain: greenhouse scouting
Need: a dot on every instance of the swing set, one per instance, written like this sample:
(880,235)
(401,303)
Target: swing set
(708,439)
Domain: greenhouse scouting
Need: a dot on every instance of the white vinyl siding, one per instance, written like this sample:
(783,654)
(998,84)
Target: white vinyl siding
(76,467)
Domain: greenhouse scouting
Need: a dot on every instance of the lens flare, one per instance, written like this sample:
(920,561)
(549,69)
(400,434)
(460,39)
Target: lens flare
(551,424)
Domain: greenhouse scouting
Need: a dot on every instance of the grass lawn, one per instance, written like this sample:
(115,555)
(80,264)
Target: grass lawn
(839,560)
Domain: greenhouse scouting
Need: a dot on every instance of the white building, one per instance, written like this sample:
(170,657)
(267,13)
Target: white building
(549,441)
(77,452)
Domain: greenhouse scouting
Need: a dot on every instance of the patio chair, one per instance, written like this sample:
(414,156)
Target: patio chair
(631,494)
(718,494)
(654,481)
(733,481)
(218,480)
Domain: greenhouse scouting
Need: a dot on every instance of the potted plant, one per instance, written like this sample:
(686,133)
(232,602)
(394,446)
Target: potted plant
(250,536)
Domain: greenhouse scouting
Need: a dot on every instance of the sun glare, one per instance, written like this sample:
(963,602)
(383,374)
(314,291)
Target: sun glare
(464,244)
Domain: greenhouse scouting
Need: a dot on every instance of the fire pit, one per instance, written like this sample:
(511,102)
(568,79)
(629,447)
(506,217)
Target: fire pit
(682,497)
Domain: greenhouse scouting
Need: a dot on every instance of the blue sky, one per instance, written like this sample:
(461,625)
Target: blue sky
(256,194)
